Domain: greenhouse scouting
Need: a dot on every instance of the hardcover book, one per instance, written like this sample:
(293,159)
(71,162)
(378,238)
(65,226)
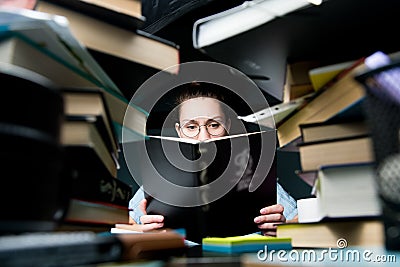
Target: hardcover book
(85,149)
(356,149)
(214,179)
(81,102)
(95,186)
(122,13)
(341,191)
(95,212)
(326,234)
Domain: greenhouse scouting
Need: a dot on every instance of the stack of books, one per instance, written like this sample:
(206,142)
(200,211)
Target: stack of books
(97,196)
(96,112)
(114,38)
(334,147)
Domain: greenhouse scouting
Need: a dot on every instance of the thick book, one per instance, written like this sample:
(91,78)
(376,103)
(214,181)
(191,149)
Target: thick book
(22,52)
(207,31)
(95,212)
(81,102)
(320,131)
(84,147)
(356,149)
(342,191)
(368,232)
(122,13)
(197,185)
(96,186)
(151,245)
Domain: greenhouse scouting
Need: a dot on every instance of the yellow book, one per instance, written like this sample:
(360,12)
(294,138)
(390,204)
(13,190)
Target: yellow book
(322,75)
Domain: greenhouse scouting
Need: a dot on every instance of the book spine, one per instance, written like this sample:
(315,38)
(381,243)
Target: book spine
(101,189)
(90,182)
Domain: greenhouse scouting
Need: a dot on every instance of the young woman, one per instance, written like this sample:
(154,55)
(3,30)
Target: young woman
(201,116)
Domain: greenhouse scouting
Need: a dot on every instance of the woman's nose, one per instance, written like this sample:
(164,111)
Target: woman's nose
(203,134)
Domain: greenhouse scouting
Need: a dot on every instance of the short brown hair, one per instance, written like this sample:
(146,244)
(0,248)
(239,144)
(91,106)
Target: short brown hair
(199,89)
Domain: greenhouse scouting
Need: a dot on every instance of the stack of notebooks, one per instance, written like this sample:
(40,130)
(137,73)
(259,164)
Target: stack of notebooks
(245,243)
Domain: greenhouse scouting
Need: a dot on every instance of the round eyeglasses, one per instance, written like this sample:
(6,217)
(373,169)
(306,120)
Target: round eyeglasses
(192,129)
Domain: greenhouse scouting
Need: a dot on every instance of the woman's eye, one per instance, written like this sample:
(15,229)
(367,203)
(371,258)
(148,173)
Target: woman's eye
(191,127)
(214,125)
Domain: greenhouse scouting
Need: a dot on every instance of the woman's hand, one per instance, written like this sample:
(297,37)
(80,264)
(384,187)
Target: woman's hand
(147,222)
(270,216)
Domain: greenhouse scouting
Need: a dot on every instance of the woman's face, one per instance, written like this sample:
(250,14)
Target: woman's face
(204,114)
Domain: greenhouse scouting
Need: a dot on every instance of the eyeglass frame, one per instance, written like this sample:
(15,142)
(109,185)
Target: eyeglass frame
(199,127)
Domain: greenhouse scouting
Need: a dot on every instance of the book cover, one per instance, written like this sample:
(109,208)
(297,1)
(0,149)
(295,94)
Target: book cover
(321,75)
(96,186)
(219,177)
